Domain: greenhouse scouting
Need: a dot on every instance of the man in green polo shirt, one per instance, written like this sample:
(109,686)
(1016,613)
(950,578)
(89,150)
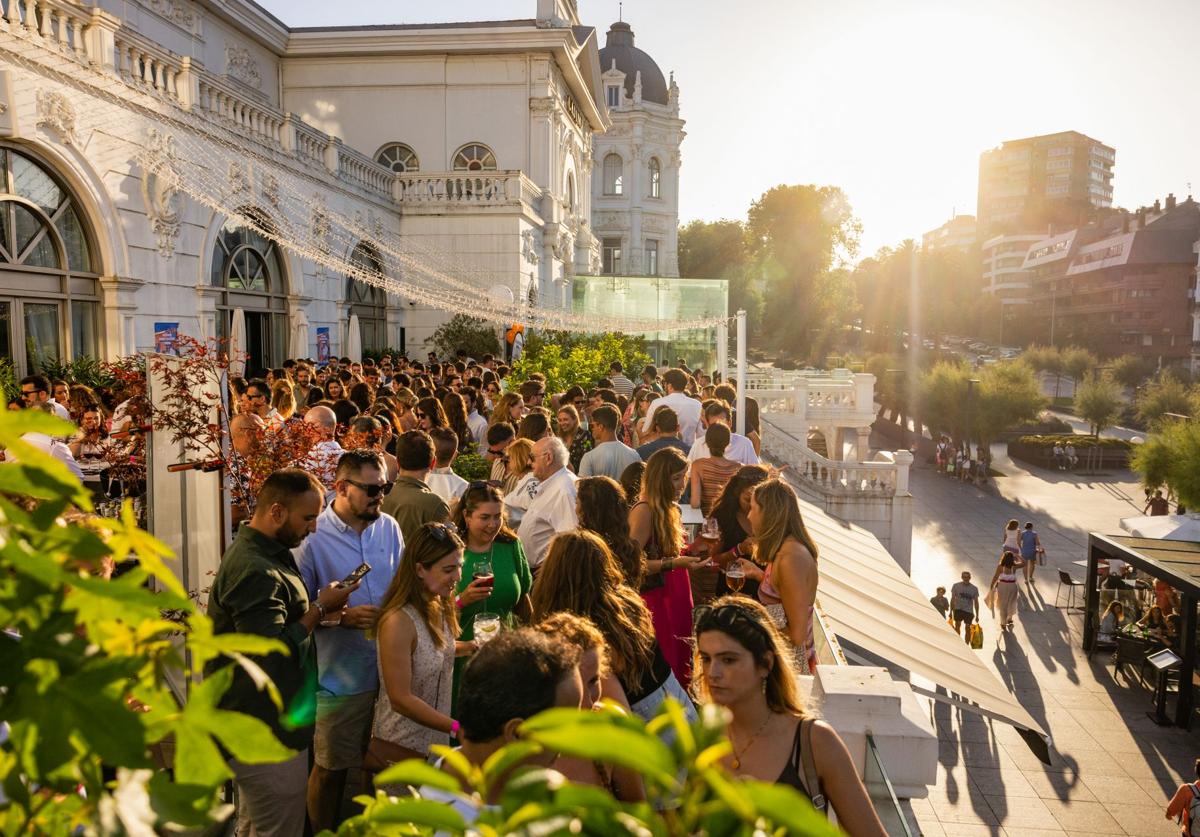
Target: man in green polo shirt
(411,501)
(258,590)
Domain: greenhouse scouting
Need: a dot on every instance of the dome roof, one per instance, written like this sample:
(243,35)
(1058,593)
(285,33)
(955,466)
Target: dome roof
(618,47)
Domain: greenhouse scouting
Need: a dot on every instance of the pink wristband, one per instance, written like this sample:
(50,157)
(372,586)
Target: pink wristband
(455,727)
(459,603)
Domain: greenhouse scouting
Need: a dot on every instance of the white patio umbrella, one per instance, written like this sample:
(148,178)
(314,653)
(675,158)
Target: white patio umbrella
(354,340)
(237,344)
(1171,527)
(299,345)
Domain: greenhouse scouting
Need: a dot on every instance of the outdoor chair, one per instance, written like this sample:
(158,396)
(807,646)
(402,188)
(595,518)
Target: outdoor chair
(1065,580)
(1132,652)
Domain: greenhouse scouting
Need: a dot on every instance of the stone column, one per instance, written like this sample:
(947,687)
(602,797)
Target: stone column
(119,306)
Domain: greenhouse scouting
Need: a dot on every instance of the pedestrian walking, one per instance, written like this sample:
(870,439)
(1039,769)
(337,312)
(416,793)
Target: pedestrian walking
(964,605)
(940,602)
(1003,590)
(1012,537)
(1184,806)
(1157,505)
(1031,549)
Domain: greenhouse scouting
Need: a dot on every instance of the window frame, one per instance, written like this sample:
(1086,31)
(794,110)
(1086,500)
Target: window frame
(483,160)
(405,168)
(613,187)
(655,168)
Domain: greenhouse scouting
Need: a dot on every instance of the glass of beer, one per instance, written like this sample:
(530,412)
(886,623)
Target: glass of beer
(735,576)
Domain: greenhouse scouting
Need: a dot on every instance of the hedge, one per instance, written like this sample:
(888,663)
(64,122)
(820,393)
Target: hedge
(1039,450)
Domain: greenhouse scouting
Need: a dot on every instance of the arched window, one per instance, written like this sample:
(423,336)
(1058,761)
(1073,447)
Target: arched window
(248,267)
(474,157)
(369,302)
(398,157)
(49,296)
(655,178)
(614,175)
(571,192)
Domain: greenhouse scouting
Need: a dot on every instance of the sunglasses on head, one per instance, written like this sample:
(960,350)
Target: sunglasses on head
(480,484)
(724,617)
(443,532)
(372,490)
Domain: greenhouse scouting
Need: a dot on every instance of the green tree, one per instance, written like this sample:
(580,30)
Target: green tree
(720,250)
(1166,395)
(81,651)
(1076,362)
(462,331)
(1045,359)
(798,233)
(1098,402)
(1171,458)
(946,395)
(1131,370)
(1008,394)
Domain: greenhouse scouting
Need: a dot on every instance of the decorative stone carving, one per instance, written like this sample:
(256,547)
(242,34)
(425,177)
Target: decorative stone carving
(240,65)
(179,12)
(594,262)
(528,253)
(652,222)
(55,111)
(159,190)
(239,180)
(319,222)
(543,105)
(638,150)
(270,190)
(375,225)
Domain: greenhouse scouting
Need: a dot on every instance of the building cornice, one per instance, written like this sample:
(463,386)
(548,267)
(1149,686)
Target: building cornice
(252,19)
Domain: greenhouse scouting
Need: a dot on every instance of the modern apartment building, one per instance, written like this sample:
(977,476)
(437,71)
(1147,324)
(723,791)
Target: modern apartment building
(1028,184)
(1004,274)
(1120,287)
(959,233)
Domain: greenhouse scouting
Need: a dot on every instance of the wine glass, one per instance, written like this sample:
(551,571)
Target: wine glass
(711,530)
(486,627)
(735,577)
(483,572)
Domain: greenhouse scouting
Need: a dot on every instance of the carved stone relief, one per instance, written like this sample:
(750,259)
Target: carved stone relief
(159,190)
(270,190)
(239,179)
(55,111)
(179,12)
(240,65)
(528,252)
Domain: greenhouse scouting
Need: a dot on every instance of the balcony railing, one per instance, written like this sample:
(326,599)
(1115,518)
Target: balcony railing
(883,795)
(445,189)
(829,476)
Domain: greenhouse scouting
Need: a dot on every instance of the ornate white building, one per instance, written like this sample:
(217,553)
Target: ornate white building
(132,132)
(635,182)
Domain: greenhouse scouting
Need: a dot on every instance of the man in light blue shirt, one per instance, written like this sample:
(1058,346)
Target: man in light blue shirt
(351,531)
(609,458)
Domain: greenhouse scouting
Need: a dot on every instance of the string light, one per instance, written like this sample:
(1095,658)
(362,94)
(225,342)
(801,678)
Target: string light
(276,196)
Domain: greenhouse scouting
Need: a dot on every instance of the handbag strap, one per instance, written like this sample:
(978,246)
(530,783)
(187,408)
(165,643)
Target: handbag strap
(812,781)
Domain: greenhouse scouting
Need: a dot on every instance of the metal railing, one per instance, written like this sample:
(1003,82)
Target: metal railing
(883,795)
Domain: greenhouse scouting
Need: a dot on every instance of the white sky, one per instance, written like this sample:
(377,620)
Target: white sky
(892,100)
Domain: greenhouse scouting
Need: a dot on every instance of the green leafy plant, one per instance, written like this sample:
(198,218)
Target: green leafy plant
(688,791)
(84,665)
(471,466)
(84,370)
(570,359)
(476,336)
(8,381)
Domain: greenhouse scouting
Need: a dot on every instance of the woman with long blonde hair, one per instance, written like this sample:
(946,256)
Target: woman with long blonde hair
(580,575)
(656,526)
(283,399)
(520,485)
(742,663)
(509,407)
(416,639)
(789,583)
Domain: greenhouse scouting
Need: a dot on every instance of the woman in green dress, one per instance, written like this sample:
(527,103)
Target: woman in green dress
(479,518)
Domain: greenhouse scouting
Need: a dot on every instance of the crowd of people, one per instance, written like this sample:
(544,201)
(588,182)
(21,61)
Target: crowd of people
(422,608)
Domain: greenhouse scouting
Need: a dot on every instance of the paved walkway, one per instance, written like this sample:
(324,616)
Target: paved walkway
(1112,768)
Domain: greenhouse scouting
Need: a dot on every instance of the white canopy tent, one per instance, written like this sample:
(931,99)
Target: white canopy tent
(299,341)
(237,344)
(354,340)
(1171,527)
(872,603)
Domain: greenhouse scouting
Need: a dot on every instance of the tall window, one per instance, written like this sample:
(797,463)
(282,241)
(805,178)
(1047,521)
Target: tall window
(614,175)
(613,95)
(651,258)
(398,157)
(611,252)
(248,266)
(474,157)
(655,178)
(571,192)
(49,298)
(368,301)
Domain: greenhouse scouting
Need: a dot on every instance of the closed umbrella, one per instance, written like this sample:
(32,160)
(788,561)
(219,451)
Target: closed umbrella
(299,346)
(354,340)
(237,344)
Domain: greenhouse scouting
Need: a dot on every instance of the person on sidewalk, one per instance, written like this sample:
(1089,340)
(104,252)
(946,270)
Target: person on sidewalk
(964,604)
(1157,505)
(1184,806)
(940,603)
(1031,547)
(1004,588)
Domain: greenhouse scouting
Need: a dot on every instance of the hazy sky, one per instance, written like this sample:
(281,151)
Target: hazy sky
(892,100)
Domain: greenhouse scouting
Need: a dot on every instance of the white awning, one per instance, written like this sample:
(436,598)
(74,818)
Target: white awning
(1171,527)
(870,601)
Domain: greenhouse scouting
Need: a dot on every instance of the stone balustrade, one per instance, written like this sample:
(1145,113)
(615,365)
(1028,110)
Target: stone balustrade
(447,189)
(363,171)
(58,22)
(223,104)
(831,475)
(146,66)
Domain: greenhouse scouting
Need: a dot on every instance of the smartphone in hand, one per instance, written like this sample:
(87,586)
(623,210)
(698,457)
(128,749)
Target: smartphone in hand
(356,576)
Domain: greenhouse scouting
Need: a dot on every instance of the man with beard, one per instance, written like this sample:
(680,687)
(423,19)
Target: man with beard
(353,530)
(258,590)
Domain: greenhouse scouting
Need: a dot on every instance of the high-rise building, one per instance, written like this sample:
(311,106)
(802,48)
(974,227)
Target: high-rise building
(1028,185)
(958,234)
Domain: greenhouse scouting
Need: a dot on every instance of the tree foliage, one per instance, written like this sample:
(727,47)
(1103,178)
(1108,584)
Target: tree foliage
(688,790)
(462,331)
(567,359)
(1076,361)
(1098,401)
(84,659)
(720,250)
(1005,395)
(1171,458)
(1166,395)
(1131,370)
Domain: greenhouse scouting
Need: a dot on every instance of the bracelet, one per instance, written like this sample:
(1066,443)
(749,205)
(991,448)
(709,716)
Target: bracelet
(320,608)
(455,728)
(458,602)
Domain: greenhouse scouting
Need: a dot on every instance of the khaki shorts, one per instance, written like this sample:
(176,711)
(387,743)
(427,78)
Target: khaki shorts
(343,729)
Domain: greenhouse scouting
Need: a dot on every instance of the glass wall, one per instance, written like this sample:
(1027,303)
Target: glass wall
(663,299)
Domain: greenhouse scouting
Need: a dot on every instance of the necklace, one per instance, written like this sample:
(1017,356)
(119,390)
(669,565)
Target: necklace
(737,757)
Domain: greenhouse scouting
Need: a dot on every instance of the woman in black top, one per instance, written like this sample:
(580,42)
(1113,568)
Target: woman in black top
(580,575)
(732,512)
(742,663)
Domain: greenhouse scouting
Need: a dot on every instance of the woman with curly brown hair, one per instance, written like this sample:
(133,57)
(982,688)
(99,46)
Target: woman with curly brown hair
(456,419)
(601,507)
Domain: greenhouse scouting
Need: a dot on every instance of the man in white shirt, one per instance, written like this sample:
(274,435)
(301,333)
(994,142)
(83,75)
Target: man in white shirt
(740,448)
(686,407)
(476,423)
(35,390)
(322,460)
(553,509)
(258,394)
(610,457)
(47,444)
(441,480)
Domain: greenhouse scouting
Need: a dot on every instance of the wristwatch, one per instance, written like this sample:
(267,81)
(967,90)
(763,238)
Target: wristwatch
(320,609)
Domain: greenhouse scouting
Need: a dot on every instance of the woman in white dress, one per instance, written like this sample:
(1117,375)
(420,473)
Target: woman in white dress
(1004,588)
(416,639)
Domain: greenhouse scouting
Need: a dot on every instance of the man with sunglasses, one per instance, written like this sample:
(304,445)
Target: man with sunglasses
(353,530)
(35,390)
(411,501)
(499,437)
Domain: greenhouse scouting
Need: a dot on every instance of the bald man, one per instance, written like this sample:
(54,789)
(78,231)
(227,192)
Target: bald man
(322,460)
(245,434)
(245,429)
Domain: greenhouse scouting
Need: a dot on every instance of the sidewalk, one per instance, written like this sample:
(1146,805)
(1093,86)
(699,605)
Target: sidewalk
(1112,768)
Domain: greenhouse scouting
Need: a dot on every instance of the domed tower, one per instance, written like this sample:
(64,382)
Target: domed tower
(635,180)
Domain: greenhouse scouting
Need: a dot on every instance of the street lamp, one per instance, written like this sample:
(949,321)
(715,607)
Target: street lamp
(971,384)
